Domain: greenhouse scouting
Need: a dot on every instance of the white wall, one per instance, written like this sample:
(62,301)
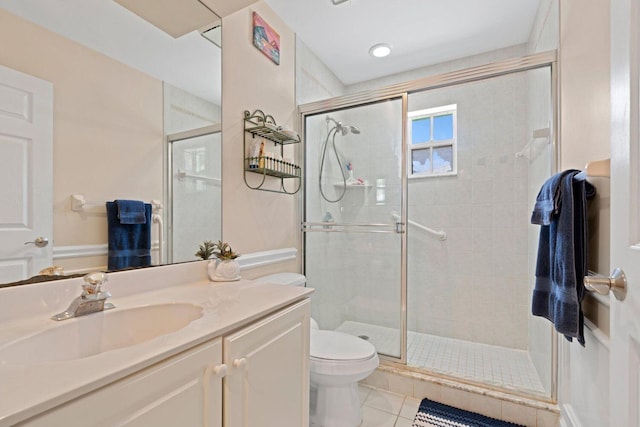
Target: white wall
(255,220)
(314,80)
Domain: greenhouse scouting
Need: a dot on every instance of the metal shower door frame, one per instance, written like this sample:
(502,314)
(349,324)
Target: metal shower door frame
(403,90)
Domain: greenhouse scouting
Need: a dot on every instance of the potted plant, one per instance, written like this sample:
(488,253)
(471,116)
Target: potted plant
(206,250)
(225,268)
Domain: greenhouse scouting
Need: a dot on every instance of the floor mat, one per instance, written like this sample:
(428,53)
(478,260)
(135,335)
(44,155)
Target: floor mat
(434,414)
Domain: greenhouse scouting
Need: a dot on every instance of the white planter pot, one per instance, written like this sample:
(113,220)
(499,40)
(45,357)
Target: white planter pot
(226,270)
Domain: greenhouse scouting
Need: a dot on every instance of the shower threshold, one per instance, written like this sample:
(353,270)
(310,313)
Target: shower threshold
(482,363)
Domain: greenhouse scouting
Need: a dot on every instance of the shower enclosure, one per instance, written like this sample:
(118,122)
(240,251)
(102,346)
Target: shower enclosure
(195,191)
(416,229)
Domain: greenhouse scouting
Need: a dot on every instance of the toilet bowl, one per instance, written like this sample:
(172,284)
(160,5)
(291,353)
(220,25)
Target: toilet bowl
(337,362)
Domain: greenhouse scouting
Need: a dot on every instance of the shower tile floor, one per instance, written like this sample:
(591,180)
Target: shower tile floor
(483,363)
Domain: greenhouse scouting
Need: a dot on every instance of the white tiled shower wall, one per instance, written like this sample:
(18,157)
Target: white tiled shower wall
(473,285)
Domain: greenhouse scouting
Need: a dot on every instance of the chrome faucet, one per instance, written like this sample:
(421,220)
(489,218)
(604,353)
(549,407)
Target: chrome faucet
(91,300)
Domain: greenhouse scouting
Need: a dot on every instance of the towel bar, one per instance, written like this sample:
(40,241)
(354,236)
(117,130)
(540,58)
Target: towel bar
(79,204)
(616,283)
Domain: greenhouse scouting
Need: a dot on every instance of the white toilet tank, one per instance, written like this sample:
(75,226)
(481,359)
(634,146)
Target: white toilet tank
(288,279)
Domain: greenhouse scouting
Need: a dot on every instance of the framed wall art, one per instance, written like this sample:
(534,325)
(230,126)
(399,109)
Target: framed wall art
(266,39)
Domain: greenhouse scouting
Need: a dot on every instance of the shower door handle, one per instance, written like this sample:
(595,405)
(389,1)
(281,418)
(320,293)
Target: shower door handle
(399,227)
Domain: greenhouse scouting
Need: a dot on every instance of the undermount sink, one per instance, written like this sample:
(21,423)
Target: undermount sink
(99,332)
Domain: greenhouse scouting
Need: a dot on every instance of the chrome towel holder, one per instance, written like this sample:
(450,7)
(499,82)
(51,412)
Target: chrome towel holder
(616,283)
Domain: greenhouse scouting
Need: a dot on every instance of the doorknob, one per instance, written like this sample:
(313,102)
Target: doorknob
(40,242)
(616,283)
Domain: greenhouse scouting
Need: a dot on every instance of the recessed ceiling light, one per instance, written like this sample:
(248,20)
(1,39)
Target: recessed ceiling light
(380,50)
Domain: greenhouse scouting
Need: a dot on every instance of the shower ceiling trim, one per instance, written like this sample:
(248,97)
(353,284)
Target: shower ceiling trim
(467,75)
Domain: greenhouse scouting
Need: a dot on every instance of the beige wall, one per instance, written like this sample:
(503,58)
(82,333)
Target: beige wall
(255,220)
(107,127)
(584,137)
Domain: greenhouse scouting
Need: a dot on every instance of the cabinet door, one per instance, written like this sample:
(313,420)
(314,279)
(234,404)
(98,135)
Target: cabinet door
(267,383)
(181,391)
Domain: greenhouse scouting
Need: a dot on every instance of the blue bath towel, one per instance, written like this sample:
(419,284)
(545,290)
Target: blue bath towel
(548,200)
(131,212)
(129,244)
(561,209)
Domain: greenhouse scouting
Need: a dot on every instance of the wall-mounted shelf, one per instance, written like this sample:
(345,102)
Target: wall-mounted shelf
(261,125)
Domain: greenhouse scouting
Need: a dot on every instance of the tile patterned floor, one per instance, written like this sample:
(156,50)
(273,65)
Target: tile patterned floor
(384,409)
(487,364)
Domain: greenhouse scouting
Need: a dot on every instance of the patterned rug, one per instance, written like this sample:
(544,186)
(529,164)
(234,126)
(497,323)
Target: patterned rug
(434,414)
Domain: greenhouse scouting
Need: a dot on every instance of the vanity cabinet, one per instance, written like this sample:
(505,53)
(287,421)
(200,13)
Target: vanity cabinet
(171,393)
(267,383)
(256,376)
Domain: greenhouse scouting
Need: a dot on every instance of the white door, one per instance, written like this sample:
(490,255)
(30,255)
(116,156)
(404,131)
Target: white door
(26,171)
(625,216)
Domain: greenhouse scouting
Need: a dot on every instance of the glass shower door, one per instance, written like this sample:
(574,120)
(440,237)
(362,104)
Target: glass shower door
(196,187)
(353,239)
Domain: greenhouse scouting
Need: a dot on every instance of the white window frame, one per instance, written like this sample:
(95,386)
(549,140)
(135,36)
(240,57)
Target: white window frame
(431,144)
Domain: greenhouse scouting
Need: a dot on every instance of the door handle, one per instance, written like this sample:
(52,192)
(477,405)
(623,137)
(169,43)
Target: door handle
(40,242)
(616,283)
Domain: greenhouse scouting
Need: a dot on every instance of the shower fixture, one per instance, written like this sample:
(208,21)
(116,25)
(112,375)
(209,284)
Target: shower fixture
(344,130)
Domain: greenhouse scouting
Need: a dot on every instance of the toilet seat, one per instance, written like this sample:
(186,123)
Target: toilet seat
(336,353)
(338,346)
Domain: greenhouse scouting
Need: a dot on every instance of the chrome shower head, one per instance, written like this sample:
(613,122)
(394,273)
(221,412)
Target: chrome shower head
(348,128)
(343,129)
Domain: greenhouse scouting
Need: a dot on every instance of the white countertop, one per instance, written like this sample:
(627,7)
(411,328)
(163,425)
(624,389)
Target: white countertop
(26,390)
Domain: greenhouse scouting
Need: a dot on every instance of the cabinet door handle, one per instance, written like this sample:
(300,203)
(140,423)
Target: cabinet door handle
(220,371)
(240,363)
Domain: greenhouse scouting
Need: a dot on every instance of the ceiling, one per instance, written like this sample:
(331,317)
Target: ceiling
(421,32)
(190,62)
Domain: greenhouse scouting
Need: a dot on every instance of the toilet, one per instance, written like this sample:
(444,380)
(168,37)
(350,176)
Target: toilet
(338,361)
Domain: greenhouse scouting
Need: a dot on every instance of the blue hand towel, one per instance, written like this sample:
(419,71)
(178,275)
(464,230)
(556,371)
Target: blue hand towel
(131,212)
(129,244)
(562,252)
(548,200)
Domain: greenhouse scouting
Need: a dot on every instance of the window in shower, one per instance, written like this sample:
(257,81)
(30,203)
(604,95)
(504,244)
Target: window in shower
(432,142)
